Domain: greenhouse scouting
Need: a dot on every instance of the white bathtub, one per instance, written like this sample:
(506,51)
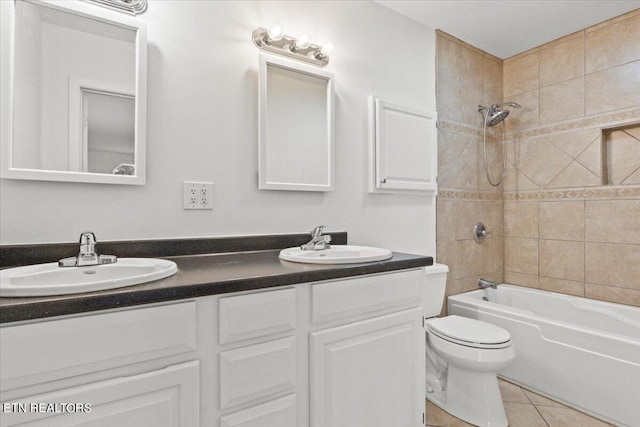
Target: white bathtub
(582,352)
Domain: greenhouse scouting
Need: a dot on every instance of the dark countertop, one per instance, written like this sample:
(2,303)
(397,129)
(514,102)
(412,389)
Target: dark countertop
(202,275)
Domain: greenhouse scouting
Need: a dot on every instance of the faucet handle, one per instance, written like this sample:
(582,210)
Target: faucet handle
(87,242)
(317,232)
(480,232)
(87,238)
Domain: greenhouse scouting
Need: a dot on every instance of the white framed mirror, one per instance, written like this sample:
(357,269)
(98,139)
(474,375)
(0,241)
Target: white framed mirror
(296,126)
(76,79)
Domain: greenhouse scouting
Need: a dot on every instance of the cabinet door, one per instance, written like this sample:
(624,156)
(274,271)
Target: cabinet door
(369,373)
(276,413)
(165,398)
(257,371)
(403,149)
(63,348)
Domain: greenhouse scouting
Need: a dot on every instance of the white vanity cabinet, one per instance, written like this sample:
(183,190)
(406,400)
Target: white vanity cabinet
(346,352)
(120,368)
(369,369)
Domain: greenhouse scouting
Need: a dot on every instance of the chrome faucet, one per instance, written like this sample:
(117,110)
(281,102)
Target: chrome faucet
(318,242)
(484,283)
(88,254)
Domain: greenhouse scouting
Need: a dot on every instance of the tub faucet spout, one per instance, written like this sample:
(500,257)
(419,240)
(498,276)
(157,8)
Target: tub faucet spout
(484,283)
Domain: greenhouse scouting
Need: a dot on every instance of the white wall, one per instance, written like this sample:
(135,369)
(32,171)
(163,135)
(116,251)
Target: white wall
(28,98)
(202,126)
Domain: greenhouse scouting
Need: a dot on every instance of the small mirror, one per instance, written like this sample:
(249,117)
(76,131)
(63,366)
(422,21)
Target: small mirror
(296,126)
(78,85)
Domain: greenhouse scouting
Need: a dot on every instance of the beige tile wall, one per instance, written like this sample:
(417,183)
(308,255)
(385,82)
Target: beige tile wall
(554,225)
(563,230)
(467,77)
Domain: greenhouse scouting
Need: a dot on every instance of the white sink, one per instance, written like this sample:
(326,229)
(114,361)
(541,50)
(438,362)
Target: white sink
(336,254)
(50,279)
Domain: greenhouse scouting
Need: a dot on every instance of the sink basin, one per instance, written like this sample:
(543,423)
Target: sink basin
(50,279)
(337,254)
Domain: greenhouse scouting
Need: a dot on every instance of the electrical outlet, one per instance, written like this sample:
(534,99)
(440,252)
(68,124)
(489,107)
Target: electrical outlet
(205,196)
(198,195)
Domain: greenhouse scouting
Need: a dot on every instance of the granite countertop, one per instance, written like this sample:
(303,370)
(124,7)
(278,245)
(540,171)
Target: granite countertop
(202,275)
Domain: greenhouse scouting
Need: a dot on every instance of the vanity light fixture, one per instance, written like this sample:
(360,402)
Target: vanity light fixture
(275,41)
(133,7)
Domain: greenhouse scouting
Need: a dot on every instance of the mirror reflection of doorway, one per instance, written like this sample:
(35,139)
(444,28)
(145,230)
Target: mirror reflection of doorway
(108,127)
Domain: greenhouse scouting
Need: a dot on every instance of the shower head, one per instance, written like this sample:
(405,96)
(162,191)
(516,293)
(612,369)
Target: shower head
(496,114)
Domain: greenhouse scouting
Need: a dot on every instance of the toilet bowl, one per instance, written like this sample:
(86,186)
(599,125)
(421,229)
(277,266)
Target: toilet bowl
(463,357)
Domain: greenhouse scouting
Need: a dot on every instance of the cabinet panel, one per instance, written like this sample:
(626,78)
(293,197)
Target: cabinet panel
(257,371)
(277,413)
(351,297)
(257,314)
(403,148)
(39,352)
(163,398)
(369,373)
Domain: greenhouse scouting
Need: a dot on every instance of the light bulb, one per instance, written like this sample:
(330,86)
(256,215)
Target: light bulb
(302,42)
(275,33)
(326,48)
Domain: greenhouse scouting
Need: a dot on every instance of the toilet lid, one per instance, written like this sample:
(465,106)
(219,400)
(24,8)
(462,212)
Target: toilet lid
(470,332)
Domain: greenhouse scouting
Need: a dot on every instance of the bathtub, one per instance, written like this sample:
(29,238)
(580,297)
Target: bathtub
(581,352)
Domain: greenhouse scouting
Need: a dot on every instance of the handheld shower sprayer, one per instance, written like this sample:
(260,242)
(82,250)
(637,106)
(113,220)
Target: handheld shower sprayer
(492,116)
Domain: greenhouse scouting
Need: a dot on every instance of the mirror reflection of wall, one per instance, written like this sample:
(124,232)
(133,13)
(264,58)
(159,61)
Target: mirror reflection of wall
(52,48)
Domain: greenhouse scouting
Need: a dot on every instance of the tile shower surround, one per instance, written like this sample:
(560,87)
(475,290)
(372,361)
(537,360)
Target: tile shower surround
(466,77)
(555,226)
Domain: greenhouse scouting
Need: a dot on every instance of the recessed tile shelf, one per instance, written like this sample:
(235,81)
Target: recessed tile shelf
(621,155)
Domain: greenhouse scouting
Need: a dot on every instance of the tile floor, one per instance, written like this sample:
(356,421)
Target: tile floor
(524,409)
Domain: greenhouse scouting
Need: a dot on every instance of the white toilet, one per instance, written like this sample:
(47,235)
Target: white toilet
(463,357)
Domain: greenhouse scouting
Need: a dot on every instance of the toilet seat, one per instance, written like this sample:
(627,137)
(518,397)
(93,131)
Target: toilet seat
(469,332)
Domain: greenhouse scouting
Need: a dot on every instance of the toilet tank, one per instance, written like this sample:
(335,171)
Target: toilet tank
(435,284)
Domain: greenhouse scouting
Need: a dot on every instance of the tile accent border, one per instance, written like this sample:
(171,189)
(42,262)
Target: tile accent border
(451,126)
(458,194)
(583,193)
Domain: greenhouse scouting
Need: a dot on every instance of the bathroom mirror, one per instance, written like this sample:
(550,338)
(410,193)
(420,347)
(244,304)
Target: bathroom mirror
(296,145)
(76,76)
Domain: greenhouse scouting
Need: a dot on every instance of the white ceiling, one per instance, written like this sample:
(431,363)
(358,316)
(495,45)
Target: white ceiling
(507,27)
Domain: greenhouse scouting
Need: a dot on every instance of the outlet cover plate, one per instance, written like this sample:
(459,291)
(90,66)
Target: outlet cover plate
(198,195)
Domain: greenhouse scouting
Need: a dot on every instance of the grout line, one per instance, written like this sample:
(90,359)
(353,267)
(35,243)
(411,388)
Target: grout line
(584,74)
(559,173)
(584,248)
(632,136)
(541,416)
(629,176)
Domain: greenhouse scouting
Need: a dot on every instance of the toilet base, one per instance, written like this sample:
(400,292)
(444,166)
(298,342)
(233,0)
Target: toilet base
(471,396)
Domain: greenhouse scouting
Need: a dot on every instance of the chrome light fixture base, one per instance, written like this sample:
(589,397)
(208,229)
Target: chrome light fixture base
(286,46)
(133,7)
